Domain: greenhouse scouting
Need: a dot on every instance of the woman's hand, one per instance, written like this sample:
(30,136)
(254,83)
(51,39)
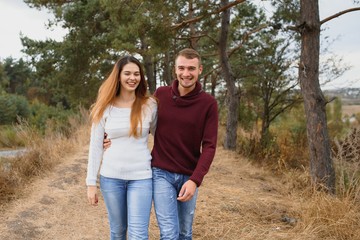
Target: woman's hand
(92,195)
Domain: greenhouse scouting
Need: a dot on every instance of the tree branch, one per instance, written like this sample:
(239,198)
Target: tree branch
(191,37)
(339,14)
(198,36)
(245,37)
(196,19)
(299,27)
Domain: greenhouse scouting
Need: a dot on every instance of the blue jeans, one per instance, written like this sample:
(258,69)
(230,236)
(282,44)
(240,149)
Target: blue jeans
(128,203)
(175,218)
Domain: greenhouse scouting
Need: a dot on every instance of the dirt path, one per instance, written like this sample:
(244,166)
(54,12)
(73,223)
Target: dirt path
(236,201)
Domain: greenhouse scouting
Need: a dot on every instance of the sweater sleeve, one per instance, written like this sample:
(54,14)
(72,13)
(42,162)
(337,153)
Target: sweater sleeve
(208,145)
(96,151)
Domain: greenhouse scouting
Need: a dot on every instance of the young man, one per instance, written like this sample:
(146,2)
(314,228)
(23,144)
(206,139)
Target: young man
(184,146)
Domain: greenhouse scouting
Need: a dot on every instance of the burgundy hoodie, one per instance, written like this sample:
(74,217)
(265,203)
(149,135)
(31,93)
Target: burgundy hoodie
(186,132)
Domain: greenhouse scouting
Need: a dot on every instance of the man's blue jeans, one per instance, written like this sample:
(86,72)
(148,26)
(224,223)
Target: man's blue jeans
(128,203)
(175,218)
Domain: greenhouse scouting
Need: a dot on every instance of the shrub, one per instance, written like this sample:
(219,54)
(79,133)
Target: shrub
(7,110)
(9,137)
(286,143)
(49,118)
(12,107)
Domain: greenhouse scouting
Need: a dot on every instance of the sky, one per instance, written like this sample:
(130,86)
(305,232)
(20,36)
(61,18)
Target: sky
(346,29)
(17,18)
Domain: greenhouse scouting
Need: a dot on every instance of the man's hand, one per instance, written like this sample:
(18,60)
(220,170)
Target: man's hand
(92,195)
(106,142)
(187,191)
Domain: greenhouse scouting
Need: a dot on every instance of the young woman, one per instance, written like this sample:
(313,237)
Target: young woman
(126,113)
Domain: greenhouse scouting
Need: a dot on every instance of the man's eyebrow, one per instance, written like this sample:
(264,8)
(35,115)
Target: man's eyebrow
(186,66)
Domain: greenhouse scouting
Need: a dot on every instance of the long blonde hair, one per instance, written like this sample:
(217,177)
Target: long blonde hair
(111,88)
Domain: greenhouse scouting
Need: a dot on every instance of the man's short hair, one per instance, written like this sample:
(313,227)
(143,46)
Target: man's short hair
(189,53)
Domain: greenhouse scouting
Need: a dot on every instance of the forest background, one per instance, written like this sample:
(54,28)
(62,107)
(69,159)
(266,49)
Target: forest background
(262,68)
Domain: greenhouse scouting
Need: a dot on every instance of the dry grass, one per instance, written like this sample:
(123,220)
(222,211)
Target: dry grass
(238,200)
(349,110)
(9,138)
(42,154)
(251,203)
(347,161)
(328,217)
(245,201)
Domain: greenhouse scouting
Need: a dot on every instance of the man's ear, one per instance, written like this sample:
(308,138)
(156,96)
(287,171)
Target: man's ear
(200,68)
(173,72)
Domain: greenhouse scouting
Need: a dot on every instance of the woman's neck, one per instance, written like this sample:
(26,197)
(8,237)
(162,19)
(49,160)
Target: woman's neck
(125,100)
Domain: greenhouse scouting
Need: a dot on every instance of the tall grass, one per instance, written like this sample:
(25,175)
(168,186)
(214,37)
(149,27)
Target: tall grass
(9,137)
(317,215)
(43,152)
(323,216)
(347,161)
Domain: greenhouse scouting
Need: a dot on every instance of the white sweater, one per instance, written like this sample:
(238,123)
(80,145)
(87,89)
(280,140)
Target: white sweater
(127,158)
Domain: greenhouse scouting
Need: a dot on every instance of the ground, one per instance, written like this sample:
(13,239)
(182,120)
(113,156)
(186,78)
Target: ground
(236,201)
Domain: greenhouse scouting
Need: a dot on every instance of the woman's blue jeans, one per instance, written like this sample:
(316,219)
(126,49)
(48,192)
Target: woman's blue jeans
(175,218)
(128,203)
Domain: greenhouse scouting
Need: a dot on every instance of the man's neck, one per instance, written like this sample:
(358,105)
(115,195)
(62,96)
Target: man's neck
(183,91)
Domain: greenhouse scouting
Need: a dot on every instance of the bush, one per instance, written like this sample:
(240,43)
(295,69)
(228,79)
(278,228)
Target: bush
(286,145)
(12,107)
(7,110)
(49,118)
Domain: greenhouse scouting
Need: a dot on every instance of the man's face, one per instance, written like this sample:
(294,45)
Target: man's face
(187,72)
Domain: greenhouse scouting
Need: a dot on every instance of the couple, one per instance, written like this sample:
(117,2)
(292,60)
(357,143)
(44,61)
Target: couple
(184,122)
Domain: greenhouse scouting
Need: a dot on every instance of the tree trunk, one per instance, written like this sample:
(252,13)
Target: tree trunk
(321,165)
(193,40)
(232,91)
(213,84)
(149,66)
(149,71)
(265,124)
(167,74)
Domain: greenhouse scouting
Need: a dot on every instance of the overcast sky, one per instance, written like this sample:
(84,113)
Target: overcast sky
(16,17)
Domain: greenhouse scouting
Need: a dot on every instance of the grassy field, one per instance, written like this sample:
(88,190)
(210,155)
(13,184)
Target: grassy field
(45,198)
(349,110)
(238,200)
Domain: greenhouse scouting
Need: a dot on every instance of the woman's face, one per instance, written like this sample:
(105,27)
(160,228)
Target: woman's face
(130,77)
